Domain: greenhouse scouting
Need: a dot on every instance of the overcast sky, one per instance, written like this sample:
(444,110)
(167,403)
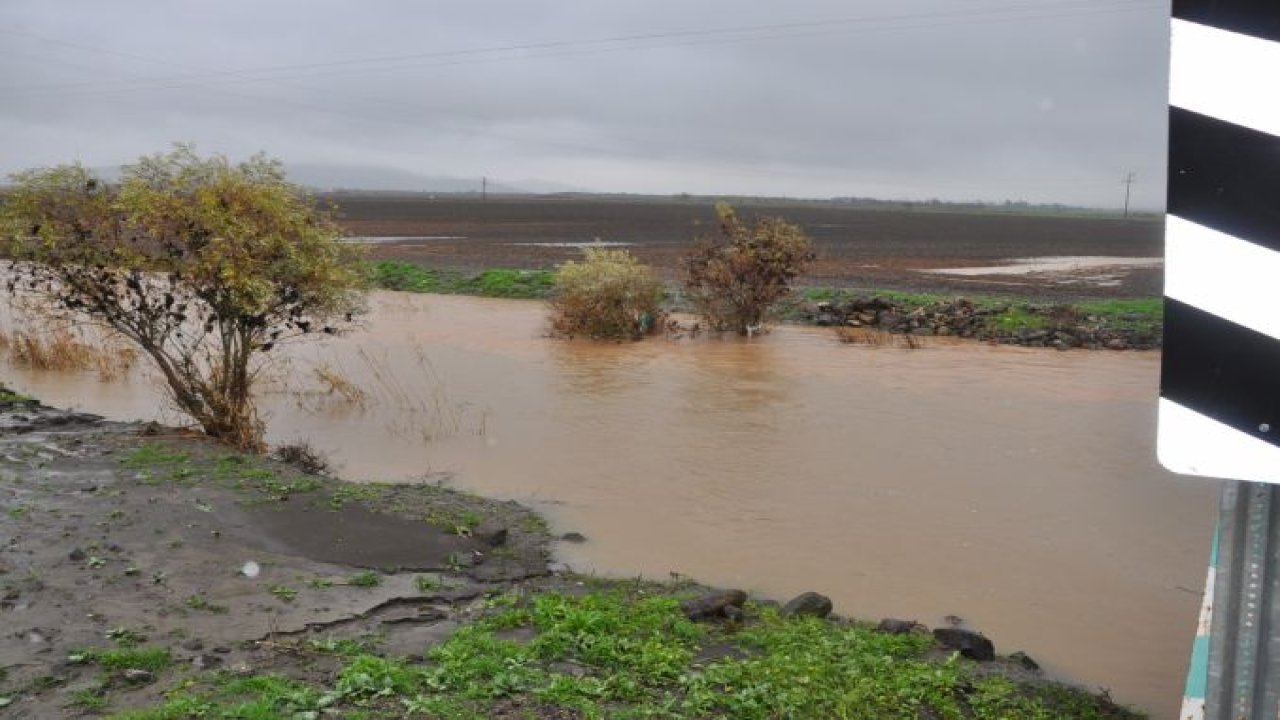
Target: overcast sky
(1040,100)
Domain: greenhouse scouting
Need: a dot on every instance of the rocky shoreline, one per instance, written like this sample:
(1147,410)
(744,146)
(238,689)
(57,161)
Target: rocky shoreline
(1058,326)
(138,560)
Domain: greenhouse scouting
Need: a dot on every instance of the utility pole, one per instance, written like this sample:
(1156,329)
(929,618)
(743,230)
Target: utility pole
(1128,181)
(484,189)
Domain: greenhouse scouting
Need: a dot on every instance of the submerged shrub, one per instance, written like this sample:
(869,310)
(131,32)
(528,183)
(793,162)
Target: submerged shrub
(734,276)
(610,294)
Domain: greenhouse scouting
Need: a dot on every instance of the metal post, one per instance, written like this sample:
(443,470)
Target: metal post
(1244,644)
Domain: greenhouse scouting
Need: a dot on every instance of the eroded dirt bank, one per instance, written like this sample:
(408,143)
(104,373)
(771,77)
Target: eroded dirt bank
(141,566)
(115,535)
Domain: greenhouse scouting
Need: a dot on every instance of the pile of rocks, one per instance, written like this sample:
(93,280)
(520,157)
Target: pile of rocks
(1056,326)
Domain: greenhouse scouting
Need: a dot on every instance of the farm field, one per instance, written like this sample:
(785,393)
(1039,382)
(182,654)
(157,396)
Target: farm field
(860,247)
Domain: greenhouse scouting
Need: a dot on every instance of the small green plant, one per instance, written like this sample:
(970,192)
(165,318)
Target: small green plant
(126,637)
(734,277)
(609,295)
(366,579)
(150,659)
(284,592)
(149,454)
(200,602)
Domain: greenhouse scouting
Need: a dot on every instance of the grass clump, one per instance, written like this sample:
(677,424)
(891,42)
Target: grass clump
(118,660)
(609,295)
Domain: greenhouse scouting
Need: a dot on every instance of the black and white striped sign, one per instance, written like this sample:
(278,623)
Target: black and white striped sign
(1220,376)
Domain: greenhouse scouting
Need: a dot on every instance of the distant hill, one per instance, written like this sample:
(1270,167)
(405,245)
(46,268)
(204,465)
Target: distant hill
(375,177)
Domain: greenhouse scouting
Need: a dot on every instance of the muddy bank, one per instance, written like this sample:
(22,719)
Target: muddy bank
(122,534)
(142,566)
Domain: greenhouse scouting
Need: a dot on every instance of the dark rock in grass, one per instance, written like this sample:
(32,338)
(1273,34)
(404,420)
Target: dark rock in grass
(574,537)
(810,603)
(972,645)
(1025,662)
(76,555)
(712,605)
(894,626)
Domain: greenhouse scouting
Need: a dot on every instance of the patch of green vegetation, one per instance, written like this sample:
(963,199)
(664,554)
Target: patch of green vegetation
(200,602)
(1019,318)
(118,660)
(92,700)
(408,277)
(430,583)
(18,512)
(150,454)
(629,653)
(342,495)
(126,637)
(368,578)
(458,522)
(259,697)
(284,592)
(1137,314)
(8,396)
(346,647)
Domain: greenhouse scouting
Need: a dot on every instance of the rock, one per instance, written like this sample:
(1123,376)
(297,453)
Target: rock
(574,537)
(809,603)
(972,645)
(222,649)
(826,319)
(206,661)
(1025,662)
(194,644)
(492,534)
(712,604)
(138,677)
(1117,344)
(76,555)
(894,626)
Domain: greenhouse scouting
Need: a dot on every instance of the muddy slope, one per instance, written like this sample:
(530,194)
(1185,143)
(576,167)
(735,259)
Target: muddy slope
(112,535)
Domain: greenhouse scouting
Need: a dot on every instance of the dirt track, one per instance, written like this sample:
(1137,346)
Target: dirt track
(858,247)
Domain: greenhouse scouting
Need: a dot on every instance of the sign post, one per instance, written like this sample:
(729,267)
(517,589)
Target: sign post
(1220,372)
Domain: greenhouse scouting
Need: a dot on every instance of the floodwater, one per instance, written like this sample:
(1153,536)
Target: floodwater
(1015,488)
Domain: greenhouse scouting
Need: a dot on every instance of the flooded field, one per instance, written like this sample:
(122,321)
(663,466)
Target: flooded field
(1015,488)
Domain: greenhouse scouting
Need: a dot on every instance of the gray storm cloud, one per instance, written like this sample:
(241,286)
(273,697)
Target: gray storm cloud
(1042,100)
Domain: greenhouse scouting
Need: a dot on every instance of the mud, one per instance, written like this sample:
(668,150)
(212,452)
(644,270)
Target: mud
(110,532)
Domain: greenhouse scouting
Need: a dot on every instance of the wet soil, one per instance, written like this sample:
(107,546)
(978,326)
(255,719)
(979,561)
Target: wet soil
(122,533)
(857,247)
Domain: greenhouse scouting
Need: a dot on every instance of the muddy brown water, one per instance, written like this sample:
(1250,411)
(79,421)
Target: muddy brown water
(1015,488)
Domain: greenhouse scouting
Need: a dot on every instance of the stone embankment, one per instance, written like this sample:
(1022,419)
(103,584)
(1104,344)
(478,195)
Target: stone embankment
(1056,326)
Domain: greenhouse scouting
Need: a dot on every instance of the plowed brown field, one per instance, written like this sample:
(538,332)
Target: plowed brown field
(857,246)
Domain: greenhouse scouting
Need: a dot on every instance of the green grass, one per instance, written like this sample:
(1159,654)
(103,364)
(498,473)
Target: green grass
(118,660)
(628,654)
(399,275)
(9,396)
(151,454)
(1138,314)
(367,579)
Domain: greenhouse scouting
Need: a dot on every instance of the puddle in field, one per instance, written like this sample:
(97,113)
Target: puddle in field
(1094,271)
(1015,488)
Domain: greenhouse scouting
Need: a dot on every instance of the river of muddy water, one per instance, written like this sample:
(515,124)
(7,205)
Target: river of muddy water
(1015,488)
